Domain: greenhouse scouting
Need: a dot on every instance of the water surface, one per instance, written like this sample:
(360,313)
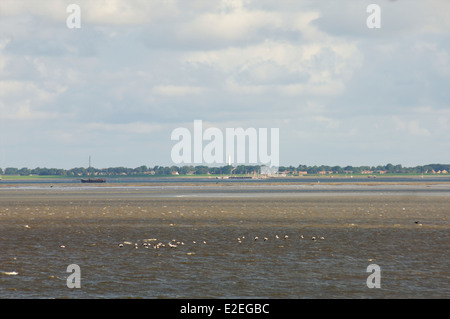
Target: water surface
(312,242)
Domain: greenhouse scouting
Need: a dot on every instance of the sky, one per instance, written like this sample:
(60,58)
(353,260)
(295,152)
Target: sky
(115,88)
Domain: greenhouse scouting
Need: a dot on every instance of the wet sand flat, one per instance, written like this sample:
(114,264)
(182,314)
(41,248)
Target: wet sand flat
(186,204)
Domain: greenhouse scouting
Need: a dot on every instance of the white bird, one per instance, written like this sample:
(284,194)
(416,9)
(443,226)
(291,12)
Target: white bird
(120,245)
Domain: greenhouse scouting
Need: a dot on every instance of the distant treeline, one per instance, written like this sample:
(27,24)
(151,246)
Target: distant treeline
(240,169)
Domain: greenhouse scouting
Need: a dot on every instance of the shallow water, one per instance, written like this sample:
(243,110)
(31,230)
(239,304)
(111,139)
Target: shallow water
(42,231)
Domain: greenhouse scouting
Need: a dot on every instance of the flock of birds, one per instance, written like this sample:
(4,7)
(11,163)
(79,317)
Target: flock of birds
(174,243)
(151,243)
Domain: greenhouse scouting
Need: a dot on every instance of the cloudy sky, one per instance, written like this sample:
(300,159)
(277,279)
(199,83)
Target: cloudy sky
(115,88)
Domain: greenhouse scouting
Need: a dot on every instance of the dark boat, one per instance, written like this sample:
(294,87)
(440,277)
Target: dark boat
(92,180)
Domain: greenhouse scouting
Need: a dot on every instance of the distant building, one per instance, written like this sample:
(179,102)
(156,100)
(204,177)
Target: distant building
(269,171)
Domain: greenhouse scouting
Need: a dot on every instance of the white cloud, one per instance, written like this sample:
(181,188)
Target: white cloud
(98,12)
(229,26)
(177,90)
(25,101)
(3,59)
(439,57)
(120,128)
(410,126)
(304,68)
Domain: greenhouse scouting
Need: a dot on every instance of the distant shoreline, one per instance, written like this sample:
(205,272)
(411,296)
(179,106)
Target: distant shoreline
(218,176)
